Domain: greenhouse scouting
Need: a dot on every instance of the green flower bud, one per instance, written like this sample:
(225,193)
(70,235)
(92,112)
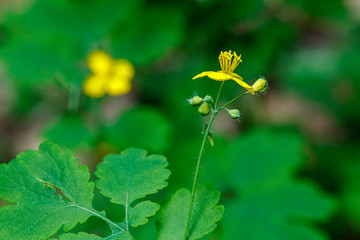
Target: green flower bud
(204,109)
(234,113)
(208,99)
(260,85)
(195,101)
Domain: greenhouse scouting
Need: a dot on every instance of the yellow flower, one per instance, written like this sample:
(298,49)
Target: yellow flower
(109,76)
(228,62)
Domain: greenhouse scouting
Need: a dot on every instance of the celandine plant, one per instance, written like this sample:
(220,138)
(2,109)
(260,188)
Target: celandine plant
(197,212)
(46,190)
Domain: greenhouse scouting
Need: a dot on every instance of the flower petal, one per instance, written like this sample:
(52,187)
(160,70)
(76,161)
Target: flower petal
(219,76)
(203,74)
(93,86)
(235,75)
(99,62)
(118,86)
(243,84)
(122,68)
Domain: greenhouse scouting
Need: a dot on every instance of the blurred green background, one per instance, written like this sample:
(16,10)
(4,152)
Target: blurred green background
(288,170)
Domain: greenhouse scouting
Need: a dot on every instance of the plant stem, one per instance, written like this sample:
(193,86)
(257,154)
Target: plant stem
(218,95)
(74,98)
(232,100)
(213,115)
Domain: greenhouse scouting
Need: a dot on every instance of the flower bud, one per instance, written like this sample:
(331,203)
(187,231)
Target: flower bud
(260,85)
(234,113)
(204,109)
(208,99)
(195,101)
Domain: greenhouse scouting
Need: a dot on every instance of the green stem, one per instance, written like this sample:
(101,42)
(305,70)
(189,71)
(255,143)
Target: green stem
(74,98)
(218,95)
(232,100)
(213,115)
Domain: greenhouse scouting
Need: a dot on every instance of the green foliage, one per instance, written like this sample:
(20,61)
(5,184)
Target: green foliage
(74,28)
(141,127)
(47,190)
(259,171)
(205,214)
(131,176)
(307,49)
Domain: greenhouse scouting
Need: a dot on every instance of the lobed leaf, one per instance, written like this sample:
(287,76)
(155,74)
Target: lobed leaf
(130,176)
(29,183)
(205,214)
(86,236)
(46,190)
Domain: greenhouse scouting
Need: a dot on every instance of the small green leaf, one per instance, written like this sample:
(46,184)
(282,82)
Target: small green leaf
(139,213)
(204,216)
(129,176)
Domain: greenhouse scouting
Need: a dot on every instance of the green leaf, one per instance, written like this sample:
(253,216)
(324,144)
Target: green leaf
(138,214)
(86,236)
(130,176)
(206,213)
(29,183)
(259,171)
(46,190)
(80,236)
(141,127)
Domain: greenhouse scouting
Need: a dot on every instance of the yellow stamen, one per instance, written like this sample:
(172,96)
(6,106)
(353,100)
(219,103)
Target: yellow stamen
(229,61)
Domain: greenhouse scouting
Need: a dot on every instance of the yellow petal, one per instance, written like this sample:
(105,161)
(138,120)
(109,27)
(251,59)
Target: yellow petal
(93,86)
(99,62)
(235,75)
(118,86)
(219,76)
(203,74)
(244,85)
(123,69)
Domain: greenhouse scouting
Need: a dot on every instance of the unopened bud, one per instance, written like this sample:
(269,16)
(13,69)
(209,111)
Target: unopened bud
(195,101)
(204,109)
(208,99)
(234,113)
(260,85)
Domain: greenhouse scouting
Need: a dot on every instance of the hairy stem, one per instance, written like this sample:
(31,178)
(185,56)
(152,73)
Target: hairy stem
(213,115)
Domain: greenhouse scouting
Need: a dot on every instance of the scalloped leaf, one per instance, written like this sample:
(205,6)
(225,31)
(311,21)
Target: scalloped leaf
(46,190)
(130,176)
(206,213)
(29,183)
(86,236)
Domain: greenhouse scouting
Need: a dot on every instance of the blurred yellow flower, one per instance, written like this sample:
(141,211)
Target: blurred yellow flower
(109,76)
(228,62)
